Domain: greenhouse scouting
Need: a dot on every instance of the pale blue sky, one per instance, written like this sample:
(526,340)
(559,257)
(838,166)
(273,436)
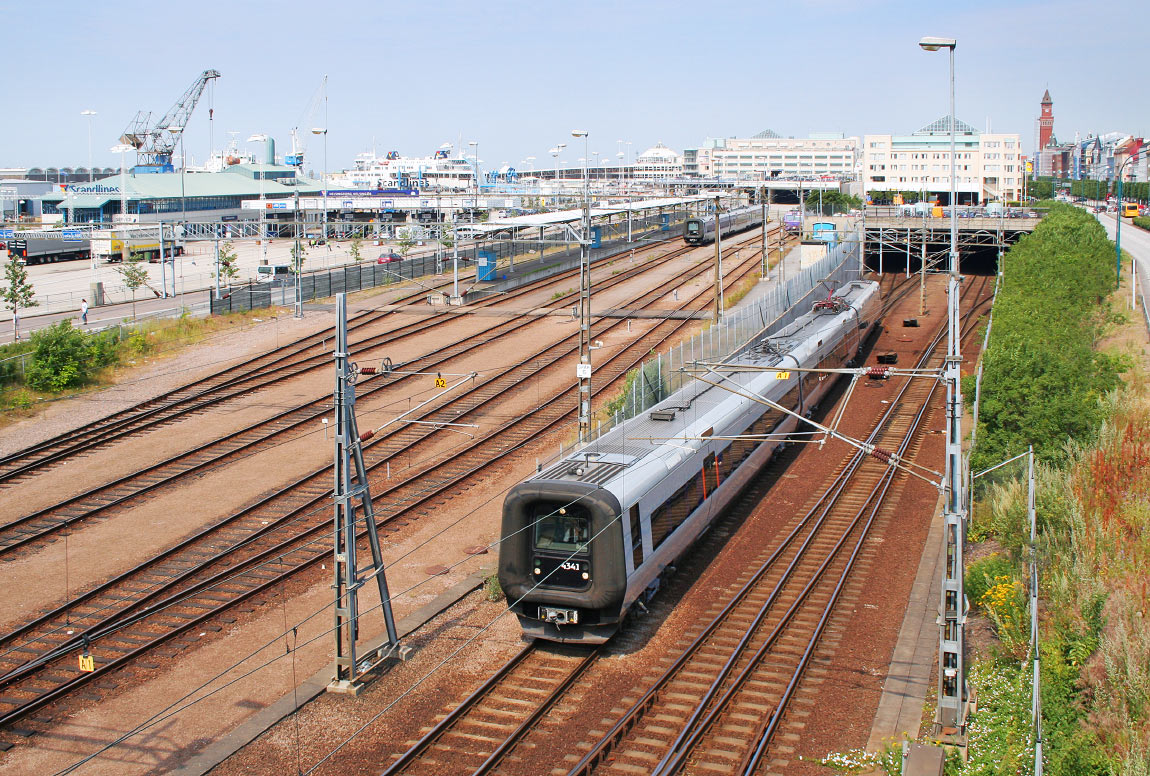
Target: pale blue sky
(519,76)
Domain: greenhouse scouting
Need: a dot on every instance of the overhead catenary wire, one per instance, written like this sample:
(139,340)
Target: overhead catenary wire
(171,711)
(615,519)
(889,457)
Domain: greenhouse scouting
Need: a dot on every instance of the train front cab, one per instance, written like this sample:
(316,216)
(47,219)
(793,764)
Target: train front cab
(561,560)
(694,231)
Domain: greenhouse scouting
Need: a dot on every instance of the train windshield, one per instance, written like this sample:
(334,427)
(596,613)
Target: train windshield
(561,528)
(694,227)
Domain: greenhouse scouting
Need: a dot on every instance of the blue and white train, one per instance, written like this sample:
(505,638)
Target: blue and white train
(588,537)
(701,230)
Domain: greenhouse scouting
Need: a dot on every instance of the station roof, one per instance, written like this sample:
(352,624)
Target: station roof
(168,186)
(557,217)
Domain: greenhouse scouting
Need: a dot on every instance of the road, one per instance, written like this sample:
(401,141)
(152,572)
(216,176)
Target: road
(1136,242)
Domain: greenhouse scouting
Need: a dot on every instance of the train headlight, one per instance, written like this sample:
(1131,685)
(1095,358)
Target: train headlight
(537,571)
(586,575)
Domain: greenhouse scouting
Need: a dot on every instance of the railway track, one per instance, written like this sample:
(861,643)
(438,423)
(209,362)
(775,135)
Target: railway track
(34,528)
(475,736)
(289,360)
(246,554)
(741,672)
(752,635)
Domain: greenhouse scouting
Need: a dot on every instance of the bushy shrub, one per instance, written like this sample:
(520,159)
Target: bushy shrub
(64,357)
(10,370)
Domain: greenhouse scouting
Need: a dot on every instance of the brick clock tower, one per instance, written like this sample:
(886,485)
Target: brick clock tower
(1046,121)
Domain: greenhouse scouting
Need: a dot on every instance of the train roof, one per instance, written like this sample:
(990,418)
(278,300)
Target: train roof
(656,428)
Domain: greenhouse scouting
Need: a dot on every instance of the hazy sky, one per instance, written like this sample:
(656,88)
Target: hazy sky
(519,76)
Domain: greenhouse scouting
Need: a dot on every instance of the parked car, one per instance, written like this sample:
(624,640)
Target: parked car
(387,258)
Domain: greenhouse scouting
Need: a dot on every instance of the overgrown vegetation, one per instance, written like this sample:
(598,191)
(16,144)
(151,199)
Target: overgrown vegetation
(1043,381)
(492,590)
(1142,222)
(64,357)
(61,359)
(1046,385)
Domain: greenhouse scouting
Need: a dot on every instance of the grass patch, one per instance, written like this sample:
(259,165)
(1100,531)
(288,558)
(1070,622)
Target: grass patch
(61,361)
(491,588)
(733,296)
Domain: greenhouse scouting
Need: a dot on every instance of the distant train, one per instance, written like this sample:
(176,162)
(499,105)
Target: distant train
(587,538)
(700,231)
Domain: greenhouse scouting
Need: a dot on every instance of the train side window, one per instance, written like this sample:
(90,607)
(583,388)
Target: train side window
(636,537)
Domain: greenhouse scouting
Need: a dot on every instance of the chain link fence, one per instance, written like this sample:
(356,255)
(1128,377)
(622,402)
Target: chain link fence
(658,377)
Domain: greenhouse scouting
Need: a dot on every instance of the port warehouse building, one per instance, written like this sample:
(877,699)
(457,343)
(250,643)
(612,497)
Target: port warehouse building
(235,193)
(167,196)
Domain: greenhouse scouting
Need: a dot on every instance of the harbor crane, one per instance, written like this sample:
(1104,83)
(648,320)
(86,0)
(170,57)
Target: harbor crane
(298,136)
(154,143)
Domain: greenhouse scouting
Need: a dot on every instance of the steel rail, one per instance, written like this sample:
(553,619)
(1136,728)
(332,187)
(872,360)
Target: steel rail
(206,391)
(136,615)
(13,535)
(595,756)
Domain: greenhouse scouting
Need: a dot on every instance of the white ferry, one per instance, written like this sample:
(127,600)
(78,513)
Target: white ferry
(393,171)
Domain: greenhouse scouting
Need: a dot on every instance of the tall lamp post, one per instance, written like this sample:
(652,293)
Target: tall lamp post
(583,368)
(89,114)
(1118,231)
(179,131)
(951,657)
(261,138)
(122,148)
(323,131)
(475,177)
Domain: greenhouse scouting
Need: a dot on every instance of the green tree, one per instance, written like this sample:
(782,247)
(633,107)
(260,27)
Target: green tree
(298,257)
(406,241)
(18,293)
(227,269)
(134,274)
(355,249)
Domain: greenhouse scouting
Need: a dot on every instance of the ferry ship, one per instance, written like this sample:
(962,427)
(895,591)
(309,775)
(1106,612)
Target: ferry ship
(392,171)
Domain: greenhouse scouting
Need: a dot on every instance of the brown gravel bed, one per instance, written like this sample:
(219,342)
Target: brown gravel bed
(865,635)
(76,727)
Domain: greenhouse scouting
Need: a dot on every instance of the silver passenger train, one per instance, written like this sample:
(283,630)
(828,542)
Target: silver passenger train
(588,537)
(701,230)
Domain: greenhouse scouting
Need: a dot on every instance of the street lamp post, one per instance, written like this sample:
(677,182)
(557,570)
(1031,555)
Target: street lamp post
(583,368)
(89,114)
(323,220)
(1118,232)
(951,657)
(178,131)
(122,148)
(475,177)
(262,138)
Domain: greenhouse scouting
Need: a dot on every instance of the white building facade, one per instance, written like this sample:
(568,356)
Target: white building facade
(768,155)
(657,163)
(990,167)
